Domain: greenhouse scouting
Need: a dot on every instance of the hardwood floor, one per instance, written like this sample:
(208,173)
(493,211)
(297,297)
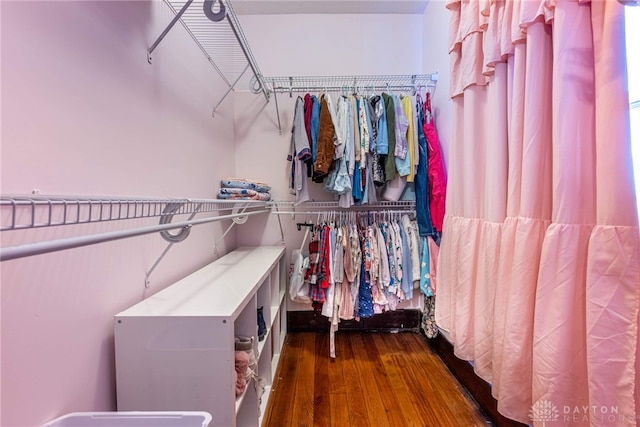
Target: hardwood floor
(376,379)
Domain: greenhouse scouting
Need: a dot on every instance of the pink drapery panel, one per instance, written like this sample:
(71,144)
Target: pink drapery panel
(539,273)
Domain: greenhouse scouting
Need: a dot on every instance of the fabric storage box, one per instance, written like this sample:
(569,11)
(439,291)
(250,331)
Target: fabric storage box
(132,419)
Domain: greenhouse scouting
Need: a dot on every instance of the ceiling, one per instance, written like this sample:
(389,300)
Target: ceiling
(273,7)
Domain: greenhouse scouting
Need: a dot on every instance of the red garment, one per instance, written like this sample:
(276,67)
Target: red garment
(316,292)
(325,258)
(311,275)
(308,105)
(435,171)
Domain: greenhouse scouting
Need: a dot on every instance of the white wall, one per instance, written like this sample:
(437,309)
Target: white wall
(318,45)
(310,45)
(84,113)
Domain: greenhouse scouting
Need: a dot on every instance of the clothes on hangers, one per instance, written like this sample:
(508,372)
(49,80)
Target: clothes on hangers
(367,147)
(359,268)
(362,148)
(299,155)
(423,213)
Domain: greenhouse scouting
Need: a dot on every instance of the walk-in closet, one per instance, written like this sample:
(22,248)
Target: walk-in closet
(234,213)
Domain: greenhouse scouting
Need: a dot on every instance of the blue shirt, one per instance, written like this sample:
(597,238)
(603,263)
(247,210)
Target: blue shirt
(382,143)
(315,126)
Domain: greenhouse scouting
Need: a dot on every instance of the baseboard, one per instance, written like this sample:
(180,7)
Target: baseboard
(477,387)
(310,321)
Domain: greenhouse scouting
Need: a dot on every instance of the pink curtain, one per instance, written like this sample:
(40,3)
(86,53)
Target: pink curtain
(539,269)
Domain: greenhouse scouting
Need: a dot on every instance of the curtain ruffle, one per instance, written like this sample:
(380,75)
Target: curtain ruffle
(484,33)
(584,355)
(553,355)
(612,295)
(482,259)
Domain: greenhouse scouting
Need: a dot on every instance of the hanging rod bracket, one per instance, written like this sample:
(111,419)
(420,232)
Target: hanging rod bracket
(240,219)
(275,98)
(167,216)
(166,30)
(299,225)
(231,87)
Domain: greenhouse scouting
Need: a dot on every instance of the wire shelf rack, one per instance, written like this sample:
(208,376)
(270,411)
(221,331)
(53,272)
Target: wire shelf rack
(352,83)
(362,84)
(223,42)
(289,207)
(19,212)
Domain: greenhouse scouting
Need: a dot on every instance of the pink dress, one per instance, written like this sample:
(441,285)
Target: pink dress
(435,170)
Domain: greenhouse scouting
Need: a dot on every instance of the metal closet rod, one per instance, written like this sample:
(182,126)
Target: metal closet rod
(30,249)
(398,88)
(315,207)
(319,212)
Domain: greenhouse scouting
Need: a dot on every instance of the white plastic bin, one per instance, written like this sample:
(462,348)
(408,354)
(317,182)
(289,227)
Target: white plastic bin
(132,419)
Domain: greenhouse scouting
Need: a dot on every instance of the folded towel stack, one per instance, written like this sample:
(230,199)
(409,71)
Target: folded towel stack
(244,189)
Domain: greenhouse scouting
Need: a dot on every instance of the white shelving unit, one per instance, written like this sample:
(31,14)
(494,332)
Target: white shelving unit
(175,350)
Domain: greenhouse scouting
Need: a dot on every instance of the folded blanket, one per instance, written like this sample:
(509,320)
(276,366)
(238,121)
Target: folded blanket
(240,191)
(246,184)
(265,197)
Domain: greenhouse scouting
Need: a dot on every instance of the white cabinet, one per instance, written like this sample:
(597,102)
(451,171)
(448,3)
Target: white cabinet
(175,350)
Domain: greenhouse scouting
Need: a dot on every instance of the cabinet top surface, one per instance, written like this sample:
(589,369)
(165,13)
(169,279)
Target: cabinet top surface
(218,289)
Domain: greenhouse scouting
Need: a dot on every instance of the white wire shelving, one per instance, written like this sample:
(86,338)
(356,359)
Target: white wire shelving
(332,209)
(24,212)
(312,207)
(223,42)
(352,83)
(36,211)
(347,84)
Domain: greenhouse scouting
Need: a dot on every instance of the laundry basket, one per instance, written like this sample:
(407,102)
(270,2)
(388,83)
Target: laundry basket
(132,419)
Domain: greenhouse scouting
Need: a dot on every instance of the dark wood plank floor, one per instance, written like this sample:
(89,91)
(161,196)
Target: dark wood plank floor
(377,379)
